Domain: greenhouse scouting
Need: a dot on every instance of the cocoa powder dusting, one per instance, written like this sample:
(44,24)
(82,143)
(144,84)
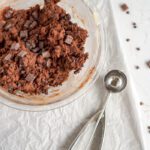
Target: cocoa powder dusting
(39,48)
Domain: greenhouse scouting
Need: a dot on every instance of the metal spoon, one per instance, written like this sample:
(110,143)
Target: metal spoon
(115,81)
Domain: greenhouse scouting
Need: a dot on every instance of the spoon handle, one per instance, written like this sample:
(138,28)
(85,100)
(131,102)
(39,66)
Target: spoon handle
(85,137)
(101,113)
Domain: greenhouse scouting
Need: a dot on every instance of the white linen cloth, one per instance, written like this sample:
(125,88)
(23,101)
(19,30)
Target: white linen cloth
(56,129)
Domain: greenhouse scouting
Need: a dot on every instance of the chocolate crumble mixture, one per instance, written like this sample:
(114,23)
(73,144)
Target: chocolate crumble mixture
(39,48)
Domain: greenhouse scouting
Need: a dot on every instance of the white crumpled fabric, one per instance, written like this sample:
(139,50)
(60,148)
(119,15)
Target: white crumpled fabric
(56,129)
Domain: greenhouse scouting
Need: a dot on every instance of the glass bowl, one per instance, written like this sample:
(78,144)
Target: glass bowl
(76,85)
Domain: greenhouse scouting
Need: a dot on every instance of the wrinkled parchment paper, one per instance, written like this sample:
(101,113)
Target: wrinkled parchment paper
(56,129)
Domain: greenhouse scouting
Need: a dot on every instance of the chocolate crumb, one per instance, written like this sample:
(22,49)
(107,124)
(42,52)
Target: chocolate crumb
(127,40)
(124,7)
(128,12)
(148,127)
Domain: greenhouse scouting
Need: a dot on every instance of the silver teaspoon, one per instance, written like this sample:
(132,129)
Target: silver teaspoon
(115,81)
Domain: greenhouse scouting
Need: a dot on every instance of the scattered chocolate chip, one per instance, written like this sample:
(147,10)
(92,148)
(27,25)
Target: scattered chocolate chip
(27,24)
(30,77)
(124,7)
(148,63)
(41,44)
(141,103)
(22,54)
(48,63)
(2,23)
(33,24)
(35,50)
(15,46)
(135,27)
(127,40)
(7,26)
(8,57)
(24,34)
(134,24)
(69,39)
(46,54)
(137,67)
(35,15)
(138,49)
(8,14)
(128,12)
(148,127)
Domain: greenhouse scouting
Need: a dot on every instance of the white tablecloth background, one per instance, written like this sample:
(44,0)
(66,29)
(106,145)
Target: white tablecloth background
(56,129)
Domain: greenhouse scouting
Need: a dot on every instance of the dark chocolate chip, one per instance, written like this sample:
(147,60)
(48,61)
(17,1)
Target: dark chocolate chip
(7,26)
(30,77)
(8,14)
(22,54)
(48,63)
(10,89)
(41,44)
(15,46)
(127,40)
(30,45)
(148,127)
(128,12)
(33,24)
(35,50)
(27,24)
(8,57)
(69,39)
(35,15)
(24,34)
(46,54)
(2,23)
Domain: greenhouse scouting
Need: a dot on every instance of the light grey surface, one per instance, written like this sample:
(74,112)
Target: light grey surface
(56,129)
